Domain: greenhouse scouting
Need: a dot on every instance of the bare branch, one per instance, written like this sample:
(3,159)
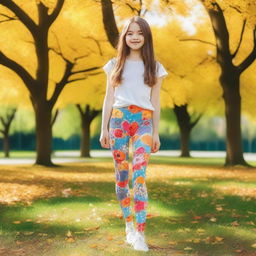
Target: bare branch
(8,18)
(75,79)
(2,121)
(81,57)
(192,124)
(236,8)
(97,42)
(84,70)
(251,57)
(54,117)
(133,9)
(199,40)
(22,16)
(56,11)
(80,109)
(60,54)
(240,40)
(28,80)
(60,85)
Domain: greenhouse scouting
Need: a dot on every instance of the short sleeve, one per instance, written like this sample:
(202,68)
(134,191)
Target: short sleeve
(161,70)
(108,66)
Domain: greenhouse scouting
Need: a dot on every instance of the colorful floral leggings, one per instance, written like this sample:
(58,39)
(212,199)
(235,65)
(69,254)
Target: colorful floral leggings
(135,123)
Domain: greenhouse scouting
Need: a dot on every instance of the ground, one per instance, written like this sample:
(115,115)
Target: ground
(196,207)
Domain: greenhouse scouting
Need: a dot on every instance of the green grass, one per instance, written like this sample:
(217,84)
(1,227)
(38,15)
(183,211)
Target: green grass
(198,209)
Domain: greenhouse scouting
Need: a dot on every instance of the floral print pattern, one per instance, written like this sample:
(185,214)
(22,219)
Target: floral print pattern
(131,123)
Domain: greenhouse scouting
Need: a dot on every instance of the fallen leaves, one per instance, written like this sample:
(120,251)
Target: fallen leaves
(91,228)
(69,237)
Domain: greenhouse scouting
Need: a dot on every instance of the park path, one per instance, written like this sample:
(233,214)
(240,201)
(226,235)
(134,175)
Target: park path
(73,156)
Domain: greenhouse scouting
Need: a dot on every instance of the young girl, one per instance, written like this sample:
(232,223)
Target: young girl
(131,110)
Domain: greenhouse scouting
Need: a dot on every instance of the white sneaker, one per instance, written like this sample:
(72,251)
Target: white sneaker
(130,234)
(140,243)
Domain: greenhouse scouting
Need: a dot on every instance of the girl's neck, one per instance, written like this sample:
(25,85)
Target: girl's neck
(134,55)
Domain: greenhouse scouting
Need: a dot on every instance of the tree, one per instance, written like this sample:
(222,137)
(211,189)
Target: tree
(6,123)
(230,79)
(38,86)
(87,115)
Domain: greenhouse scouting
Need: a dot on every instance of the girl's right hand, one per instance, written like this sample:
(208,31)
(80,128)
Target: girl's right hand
(104,139)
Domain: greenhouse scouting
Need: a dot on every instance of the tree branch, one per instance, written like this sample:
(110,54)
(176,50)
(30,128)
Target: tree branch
(2,121)
(97,43)
(199,40)
(23,17)
(192,124)
(75,79)
(8,18)
(28,80)
(56,11)
(54,117)
(60,85)
(240,40)
(251,57)
(80,109)
(84,70)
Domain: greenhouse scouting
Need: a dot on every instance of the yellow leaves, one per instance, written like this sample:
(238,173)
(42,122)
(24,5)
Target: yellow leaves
(253,245)
(213,219)
(93,245)
(187,248)
(91,228)
(200,230)
(235,223)
(16,222)
(219,208)
(109,238)
(69,237)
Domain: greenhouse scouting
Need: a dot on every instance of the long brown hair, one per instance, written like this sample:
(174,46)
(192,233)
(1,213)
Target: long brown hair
(147,52)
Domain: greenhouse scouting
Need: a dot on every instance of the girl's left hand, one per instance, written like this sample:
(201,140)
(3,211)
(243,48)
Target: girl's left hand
(155,143)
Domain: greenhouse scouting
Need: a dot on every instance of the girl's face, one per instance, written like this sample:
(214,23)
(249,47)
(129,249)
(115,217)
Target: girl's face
(134,37)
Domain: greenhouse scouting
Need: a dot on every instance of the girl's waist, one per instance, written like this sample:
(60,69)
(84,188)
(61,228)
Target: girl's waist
(133,110)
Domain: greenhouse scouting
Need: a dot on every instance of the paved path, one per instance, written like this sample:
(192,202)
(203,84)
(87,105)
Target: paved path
(73,156)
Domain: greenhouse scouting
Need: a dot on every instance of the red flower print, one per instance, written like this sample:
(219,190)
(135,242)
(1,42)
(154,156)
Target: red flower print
(126,202)
(140,150)
(134,108)
(118,133)
(139,205)
(119,156)
(141,226)
(136,167)
(130,128)
(122,184)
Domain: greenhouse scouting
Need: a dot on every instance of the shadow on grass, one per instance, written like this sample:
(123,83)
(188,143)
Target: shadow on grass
(181,211)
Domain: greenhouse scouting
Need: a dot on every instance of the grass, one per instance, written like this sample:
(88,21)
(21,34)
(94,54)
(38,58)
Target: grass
(195,208)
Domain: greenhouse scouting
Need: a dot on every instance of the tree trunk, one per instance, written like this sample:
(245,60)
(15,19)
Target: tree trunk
(85,141)
(184,141)
(185,127)
(6,145)
(43,134)
(232,99)
(230,82)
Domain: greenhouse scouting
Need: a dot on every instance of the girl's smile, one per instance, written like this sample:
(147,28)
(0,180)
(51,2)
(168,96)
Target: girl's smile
(134,36)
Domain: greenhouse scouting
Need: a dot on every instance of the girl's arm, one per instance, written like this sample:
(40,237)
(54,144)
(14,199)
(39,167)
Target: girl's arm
(107,105)
(155,100)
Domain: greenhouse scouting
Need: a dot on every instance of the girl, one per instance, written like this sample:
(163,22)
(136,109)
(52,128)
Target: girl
(131,110)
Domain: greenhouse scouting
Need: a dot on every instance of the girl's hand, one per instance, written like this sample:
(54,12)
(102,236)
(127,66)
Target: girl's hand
(155,143)
(104,139)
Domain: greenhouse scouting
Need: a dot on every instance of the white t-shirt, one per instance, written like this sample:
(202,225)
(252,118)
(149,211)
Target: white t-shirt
(133,90)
